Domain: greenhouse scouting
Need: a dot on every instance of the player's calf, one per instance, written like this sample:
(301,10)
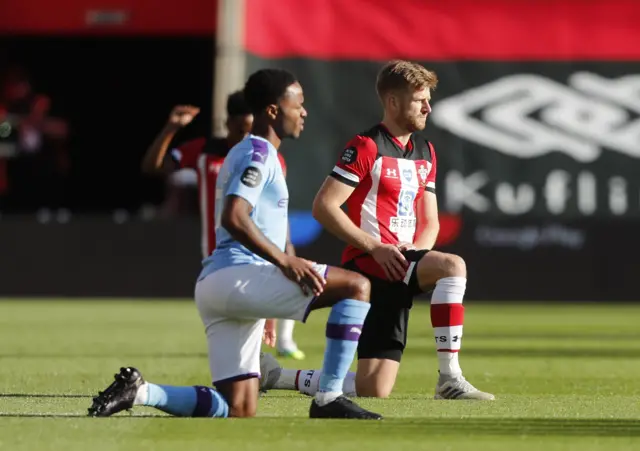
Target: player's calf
(348,294)
(448,273)
(241,396)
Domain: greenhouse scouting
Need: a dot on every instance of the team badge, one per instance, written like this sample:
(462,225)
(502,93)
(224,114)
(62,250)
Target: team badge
(423,172)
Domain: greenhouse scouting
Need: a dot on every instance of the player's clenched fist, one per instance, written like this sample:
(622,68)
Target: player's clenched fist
(182,115)
(303,273)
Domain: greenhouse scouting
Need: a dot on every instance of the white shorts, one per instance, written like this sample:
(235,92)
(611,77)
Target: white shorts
(233,303)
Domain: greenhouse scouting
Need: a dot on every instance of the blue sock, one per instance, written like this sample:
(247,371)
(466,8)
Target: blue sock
(187,401)
(344,327)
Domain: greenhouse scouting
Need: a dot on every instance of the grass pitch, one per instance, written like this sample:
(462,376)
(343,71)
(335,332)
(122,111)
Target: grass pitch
(565,377)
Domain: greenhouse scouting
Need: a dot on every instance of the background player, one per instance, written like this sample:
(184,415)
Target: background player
(386,176)
(249,277)
(205,156)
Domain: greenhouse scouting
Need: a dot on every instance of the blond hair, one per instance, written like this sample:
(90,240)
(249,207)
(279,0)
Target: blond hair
(401,75)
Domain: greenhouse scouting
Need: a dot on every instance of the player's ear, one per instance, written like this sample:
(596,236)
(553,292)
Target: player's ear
(272,111)
(391,101)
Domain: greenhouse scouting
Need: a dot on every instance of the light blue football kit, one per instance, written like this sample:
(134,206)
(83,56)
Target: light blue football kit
(237,289)
(252,171)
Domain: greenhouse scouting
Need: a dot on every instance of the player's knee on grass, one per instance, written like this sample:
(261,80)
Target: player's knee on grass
(376,378)
(241,396)
(373,388)
(243,410)
(438,265)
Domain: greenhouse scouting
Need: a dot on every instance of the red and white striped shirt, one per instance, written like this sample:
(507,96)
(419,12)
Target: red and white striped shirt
(389,181)
(206,158)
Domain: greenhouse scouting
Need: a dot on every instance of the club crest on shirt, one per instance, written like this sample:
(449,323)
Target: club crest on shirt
(407,174)
(423,172)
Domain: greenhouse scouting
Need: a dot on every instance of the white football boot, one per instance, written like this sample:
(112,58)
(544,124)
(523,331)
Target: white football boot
(459,388)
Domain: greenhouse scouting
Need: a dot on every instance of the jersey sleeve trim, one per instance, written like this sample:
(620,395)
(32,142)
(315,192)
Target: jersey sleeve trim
(345,177)
(431,178)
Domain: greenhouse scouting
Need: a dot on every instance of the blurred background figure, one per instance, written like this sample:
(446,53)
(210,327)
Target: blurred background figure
(185,165)
(34,159)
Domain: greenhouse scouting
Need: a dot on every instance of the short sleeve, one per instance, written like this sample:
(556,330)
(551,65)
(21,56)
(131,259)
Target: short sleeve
(186,155)
(431,177)
(250,174)
(355,161)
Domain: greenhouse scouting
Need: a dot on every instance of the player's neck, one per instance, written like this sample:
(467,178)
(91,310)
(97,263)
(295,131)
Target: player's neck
(233,139)
(267,132)
(398,132)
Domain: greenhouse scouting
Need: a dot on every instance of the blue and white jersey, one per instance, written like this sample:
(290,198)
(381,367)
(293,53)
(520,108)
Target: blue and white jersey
(252,171)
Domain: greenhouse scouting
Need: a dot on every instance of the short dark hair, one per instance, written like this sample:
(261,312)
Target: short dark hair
(265,87)
(236,105)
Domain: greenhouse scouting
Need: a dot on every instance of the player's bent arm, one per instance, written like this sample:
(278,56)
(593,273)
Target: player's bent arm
(237,221)
(154,160)
(328,212)
(289,249)
(428,222)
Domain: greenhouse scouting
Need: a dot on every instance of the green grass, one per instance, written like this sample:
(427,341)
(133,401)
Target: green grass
(565,375)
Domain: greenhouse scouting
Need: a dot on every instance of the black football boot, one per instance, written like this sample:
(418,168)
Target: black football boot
(119,395)
(341,407)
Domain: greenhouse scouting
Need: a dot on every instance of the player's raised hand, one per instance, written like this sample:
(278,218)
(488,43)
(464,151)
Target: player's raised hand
(392,261)
(182,115)
(303,273)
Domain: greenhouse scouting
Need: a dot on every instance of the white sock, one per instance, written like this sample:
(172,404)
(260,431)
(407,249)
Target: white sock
(447,316)
(309,382)
(349,385)
(285,335)
(142,395)
(449,365)
(325,397)
(287,380)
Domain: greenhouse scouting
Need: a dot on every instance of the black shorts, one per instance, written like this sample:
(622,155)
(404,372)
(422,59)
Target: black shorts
(384,333)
